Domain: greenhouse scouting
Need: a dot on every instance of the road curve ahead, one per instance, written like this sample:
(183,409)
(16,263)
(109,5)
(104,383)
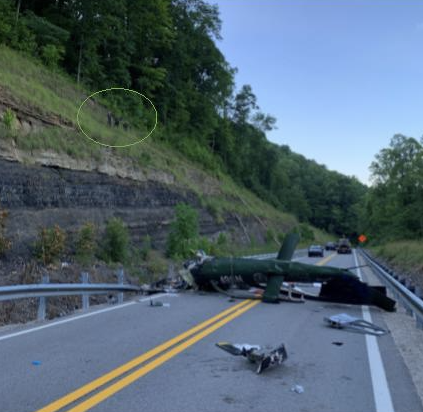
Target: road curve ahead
(143,358)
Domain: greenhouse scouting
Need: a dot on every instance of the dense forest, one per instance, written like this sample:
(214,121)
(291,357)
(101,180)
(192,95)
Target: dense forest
(167,50)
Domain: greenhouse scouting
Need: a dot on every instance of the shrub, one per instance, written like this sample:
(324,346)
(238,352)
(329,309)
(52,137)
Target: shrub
(305,232)
(5,243)
(183,235)
(204,244)
(213,208)
(52,55)
(146,246)
(220,247)
(50,244)
(270,236)
(116,241)
(157,265)
(86,244)
(222,240)
(9,119)
(281,237)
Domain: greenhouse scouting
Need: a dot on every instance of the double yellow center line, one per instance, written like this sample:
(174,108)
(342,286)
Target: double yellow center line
(181,341)
(325,260)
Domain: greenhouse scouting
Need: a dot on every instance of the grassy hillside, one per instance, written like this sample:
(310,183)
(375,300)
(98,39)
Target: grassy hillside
(39,90)
(407,254)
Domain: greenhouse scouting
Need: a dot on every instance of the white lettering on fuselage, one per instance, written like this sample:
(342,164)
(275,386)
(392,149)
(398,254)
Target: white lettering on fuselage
(225,279)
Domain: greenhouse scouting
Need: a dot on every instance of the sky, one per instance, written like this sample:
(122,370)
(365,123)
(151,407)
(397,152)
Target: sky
(341,76)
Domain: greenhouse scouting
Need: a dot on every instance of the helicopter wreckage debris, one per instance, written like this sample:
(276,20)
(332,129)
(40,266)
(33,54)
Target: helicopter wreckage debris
(255,354)
(344,321)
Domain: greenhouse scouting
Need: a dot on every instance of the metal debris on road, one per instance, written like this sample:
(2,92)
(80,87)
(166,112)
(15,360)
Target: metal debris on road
(157,303)
(255,355)
(344,321)
(164,285)
(338,343)
(297,389)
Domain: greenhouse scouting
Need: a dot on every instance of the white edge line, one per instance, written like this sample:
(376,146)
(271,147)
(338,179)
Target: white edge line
(381,393)
(86,315)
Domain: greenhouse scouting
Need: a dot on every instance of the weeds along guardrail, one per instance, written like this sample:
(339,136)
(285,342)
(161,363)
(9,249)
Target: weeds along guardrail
(45,289)
(412,303)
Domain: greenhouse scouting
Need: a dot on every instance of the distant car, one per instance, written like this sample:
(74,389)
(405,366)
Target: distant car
(344,246)
(315,250)
(330,246)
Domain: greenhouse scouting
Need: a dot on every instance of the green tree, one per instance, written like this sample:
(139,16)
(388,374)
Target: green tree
(50,244)
(395,201)
(52,55)
(86,243)
(14,32)
(183,235)
(244,103)
(115,242)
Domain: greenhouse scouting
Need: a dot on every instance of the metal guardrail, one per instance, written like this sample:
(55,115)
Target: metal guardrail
(45,289)
(411,302)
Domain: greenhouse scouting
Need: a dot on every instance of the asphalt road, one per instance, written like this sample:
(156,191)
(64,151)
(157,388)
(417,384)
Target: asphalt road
(192,374)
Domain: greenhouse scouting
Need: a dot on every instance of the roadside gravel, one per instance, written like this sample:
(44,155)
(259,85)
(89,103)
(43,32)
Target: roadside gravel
(409,341)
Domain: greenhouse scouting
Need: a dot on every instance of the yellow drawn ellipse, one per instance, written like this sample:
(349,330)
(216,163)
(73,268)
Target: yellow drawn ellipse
(106,90)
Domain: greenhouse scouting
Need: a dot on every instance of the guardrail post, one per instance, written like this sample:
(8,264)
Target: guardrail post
(85,296)
(419,322)
(120,282)
(41,314)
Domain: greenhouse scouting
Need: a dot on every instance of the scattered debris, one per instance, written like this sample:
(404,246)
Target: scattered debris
(291,293)
(255,355)
(297,389)
(164,285)
(170,290)
(344,321)
(36,362)
(158,303)
(338,343)
(256,291)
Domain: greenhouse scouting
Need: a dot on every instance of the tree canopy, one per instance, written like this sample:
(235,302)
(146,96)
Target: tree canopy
(394,203)
(167,50)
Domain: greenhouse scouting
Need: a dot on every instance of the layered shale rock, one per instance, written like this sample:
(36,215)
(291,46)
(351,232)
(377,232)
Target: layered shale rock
(40,196)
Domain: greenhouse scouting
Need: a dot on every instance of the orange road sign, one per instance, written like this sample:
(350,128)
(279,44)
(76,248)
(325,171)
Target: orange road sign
(362,238)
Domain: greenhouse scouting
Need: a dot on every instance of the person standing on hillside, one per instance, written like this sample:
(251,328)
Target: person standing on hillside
(109,119)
